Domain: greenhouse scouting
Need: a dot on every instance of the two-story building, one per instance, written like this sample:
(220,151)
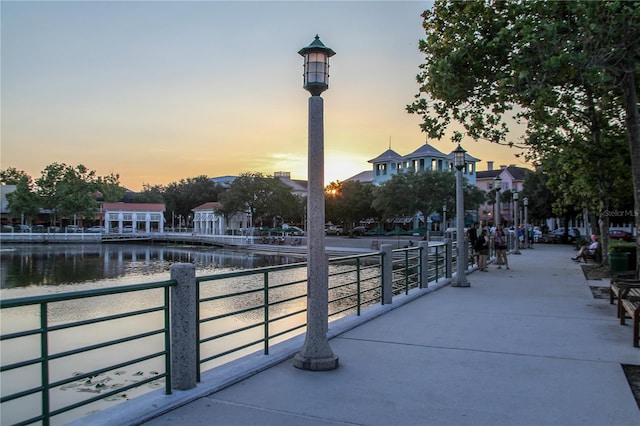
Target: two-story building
(512,179)
(426,157)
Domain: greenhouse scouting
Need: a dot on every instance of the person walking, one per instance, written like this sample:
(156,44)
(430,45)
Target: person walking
(482,248)
(473,237)
(500,245)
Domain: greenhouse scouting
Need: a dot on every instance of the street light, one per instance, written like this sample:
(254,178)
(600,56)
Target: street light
(461,262)
(498,187)
(316,354)
(444,218)
(515,221)
(525,201)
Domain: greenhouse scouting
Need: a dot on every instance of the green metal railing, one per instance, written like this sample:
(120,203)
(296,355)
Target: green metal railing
(90,381)
(238,313)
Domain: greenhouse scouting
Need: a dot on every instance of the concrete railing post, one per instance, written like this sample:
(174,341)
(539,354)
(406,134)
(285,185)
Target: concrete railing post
(448,258)
(184,359)
(387,273)
(424,261)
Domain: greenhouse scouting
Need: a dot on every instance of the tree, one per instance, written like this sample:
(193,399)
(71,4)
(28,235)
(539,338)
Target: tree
(571,66)
(181,197)
(427,191)
(109,187)
(149,194)
(24,202)
(12,176)
(76,193)
(348,202)
(261,196)
(47,185)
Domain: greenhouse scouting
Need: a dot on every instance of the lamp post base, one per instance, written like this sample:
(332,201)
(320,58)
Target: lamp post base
(460,284)
(315,364)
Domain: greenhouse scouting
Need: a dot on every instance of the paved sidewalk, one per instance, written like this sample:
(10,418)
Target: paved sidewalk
(525,346)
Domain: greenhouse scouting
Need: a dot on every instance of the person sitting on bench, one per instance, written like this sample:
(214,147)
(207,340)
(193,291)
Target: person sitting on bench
(587,250)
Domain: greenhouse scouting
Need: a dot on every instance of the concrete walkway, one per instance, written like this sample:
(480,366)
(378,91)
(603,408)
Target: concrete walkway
(525,346)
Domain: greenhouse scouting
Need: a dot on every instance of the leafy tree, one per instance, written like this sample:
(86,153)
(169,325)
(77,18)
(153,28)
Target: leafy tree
(47,185)
(348,202)
(149,194)
(24,202)
(12,176)
(426,191)
(538,194)
(76,193)
(570,66)
(181,197)
(260,195)
(109,187)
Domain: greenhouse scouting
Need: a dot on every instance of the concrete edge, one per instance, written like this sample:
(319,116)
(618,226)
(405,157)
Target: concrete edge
(156,403)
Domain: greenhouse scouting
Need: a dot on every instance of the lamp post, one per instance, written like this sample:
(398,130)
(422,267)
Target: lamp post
(428,229)
(461,262)
(316,354)
(444,219)
(498,186)
(525,201)
(515,221)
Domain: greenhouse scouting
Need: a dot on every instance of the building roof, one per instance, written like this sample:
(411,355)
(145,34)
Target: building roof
(426,150)
(387,156)
(211,205)
(362,177)
(138,207)
(517,173)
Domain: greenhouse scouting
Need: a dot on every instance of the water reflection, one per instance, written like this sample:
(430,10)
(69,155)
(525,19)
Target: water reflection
(57,264)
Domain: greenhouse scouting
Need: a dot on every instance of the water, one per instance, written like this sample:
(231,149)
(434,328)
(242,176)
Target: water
(28,270)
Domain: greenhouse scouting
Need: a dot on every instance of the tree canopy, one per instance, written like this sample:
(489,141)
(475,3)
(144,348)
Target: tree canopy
(568,70)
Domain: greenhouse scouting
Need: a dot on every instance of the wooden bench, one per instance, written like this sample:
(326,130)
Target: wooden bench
(627,294)
(595,256)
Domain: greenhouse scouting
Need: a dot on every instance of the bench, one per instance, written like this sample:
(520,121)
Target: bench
(627,293)
(595,256)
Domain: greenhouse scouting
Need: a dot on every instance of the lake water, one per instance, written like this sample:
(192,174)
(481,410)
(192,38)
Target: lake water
(29,270)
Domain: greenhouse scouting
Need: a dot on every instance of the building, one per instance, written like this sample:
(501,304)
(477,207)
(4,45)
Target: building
(512,180)
(133,217)
(207,221)
(426,157)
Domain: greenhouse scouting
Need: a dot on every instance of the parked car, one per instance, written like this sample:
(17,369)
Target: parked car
(22,228)
(620,234)
(96,229)
(334,230)
(293,230)
(359,230)
(127,230)
(73,228)
(573,234)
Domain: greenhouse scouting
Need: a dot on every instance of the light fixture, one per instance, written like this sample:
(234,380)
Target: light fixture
(316,66)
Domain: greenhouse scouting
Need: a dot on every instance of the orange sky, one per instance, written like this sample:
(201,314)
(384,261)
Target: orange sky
(161,91)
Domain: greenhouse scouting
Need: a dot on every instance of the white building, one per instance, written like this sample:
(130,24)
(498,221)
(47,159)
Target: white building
(141,217)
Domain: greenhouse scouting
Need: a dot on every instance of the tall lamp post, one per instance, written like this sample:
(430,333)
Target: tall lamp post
(444,219)
(461,262)
(525,201)
(316,354)
(498,216)
(515,221)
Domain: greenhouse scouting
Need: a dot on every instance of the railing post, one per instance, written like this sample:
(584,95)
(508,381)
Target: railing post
(184,360)
(448,257)
(387,273)
(424,264)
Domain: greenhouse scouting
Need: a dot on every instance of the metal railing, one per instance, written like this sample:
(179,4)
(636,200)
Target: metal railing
(235,313)
(53,378)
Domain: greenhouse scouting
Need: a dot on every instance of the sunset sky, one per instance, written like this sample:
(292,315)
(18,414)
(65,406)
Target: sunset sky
(161,91)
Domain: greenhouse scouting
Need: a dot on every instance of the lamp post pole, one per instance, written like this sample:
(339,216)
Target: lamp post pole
(316,354)
(525,201)
(498,216)
(444,219)
(461,259)
(515,221)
